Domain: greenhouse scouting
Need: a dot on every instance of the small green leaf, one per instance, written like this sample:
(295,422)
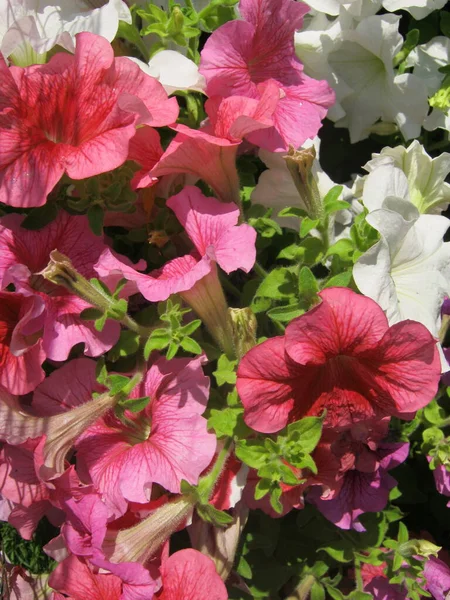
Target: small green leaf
(116,383)
(285,314)
(262,488)
(332,195)
(190,345)
(212,515)
(251,453)
(135,405)
(317,591)
(278,284)
(306,432)
(307,225)
(292,211)
(127,345)
(224,421)
(307,285)
(95,215)
(91,314)
(190,327)
(340,280)
(39,217)
(226,371)
(244,569)
(158,340)
(275,502)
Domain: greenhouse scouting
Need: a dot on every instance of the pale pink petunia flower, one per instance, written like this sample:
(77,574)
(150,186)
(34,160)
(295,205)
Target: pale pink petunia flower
(243,54)
(342,357)
(74,115)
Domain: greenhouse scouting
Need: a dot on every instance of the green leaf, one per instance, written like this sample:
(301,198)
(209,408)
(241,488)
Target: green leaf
(337,205)
(306,225)
(317,591)
(332,195)
(434,413)
(340,280)
(275,502)
(334,593)
(101,372)
(251,453)
(190,345)
(226,371)
(212,515)
(307,285)
(278,284)
(190,327)
(135,405)
(343,248)
(291,252)
(40,217)
(292,211)
(262,488)
(224,421)
(341,551)
(244,569)
(91,314)
(158,340)
(116,383)
(172,350)
(100,322)
(306,432)
(127,345)
(357,595)
(100,286)
(313,250)
(95,215)
(285,314)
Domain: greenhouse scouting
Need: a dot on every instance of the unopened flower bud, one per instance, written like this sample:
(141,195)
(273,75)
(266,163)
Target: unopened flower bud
(419,548)
(300,163)
(244,325)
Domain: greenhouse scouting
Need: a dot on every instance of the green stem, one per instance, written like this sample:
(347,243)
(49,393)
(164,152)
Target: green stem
(259,270)
(358,576)
(208,482)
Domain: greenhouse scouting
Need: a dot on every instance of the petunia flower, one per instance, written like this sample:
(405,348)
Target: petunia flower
(426,187)
(342,357)
(25,253)
(242,54)
(30,23)
(212,227)
(209,153)
(174,71)
(165,443)
(21,351)
(419,9)
(189,575)
(368,88)
(74,115)
(62,409)
(408,271)
(365,485)
(437,576)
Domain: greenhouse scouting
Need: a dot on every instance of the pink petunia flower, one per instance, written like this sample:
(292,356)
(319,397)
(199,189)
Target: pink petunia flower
(212,227)
(74,115)
(66,408)
(189,575)
(24,254)
(165,443)
(80,581)
(341,357)
(242,54)
(21,351)
(210,153)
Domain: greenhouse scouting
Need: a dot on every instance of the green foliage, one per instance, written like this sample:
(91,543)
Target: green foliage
(28,554)
(280,461)
(175,336)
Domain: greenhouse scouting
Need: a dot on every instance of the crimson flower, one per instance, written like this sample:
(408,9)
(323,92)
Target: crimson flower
(341,357)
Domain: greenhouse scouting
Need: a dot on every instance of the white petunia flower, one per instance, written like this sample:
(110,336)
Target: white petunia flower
(408,271)
(427,59)
(425,176)
(363,62)
(174,71)
(42,25)
(419,9)
(438,119)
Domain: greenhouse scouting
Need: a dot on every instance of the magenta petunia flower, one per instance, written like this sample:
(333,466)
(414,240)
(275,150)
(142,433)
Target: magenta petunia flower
(210,153)
(24,254)
(242,54)
(74,115)
(21,352)
(341,357)
(165,443)
(365,486)
(437,575)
